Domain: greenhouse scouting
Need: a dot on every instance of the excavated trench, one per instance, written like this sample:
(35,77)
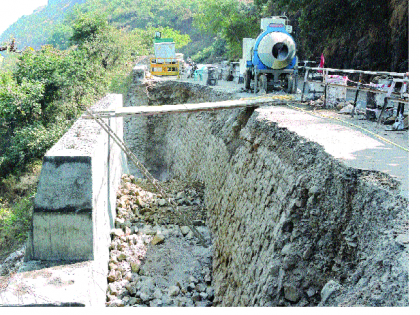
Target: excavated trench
(289,224)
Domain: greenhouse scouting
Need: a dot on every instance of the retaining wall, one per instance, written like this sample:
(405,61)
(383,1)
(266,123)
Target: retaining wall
(74,207)
(291,224)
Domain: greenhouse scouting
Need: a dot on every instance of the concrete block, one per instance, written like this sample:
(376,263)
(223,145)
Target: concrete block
(74,212)
(54,284)
(74,207)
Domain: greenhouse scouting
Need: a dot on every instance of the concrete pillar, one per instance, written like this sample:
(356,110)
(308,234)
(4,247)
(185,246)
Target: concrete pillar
(74,207)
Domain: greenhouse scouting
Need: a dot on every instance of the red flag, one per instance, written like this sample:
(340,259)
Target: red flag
(321,64)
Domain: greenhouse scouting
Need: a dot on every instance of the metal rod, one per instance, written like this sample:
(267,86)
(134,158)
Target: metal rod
(357,95)
(149,177)
(325,89)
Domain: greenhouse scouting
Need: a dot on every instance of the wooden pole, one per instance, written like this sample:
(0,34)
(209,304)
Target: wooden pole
(188,108)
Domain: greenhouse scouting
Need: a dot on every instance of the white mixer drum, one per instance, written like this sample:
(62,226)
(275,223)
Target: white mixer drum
(276,50)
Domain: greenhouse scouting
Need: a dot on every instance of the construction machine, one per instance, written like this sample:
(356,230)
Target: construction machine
(270,60)
(164,62)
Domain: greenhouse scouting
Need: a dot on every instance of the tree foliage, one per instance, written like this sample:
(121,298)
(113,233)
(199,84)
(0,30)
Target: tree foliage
(172,18)
(20,103)
(230,20)
(35,29)
(47,89)
(87,27)
(362,34)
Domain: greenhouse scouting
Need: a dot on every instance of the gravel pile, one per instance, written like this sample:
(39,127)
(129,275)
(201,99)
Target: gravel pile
(154,260)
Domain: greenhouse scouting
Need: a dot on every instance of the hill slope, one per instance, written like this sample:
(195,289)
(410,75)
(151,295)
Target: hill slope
(35,29)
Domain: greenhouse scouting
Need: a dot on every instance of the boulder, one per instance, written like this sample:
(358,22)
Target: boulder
(158,239)
(291,293)
(331,287)
(185,230)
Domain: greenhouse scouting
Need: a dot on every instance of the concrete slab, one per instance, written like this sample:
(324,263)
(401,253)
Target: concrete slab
(349,145)
(74,207)
(53,284)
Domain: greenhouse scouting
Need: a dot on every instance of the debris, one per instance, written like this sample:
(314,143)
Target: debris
(348,109)
(399,123)
(331,287)
(291,293)
(176,270)
(158,239)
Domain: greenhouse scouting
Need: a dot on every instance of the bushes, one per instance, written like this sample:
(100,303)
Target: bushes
(15,222)
(47,89)
(211,53)
(20,103)
(29,143)
(87,27)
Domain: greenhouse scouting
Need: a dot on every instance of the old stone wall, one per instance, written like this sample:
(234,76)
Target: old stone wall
(291,225)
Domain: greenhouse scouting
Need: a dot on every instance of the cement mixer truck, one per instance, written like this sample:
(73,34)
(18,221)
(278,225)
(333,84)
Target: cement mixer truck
(270,60)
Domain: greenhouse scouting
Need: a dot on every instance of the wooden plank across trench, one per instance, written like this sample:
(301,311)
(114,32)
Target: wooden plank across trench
(189,108)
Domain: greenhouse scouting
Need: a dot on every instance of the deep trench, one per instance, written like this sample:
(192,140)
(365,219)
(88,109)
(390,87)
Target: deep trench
(290,225)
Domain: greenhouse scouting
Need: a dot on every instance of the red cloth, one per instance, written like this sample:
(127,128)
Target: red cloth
(321,64)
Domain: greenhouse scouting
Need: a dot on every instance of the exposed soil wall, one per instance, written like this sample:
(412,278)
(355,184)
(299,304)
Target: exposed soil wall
(291,225)
(146,136)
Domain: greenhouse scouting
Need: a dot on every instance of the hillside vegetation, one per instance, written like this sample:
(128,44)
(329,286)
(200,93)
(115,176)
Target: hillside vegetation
(362,34)
(35,29)
(41,95)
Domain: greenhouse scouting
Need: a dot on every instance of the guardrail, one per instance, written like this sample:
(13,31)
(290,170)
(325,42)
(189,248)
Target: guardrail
(393,94)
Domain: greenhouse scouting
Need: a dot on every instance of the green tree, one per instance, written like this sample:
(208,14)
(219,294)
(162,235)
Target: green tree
(60,37)
(47,89)
(87,26)
(230,19)
(20,103)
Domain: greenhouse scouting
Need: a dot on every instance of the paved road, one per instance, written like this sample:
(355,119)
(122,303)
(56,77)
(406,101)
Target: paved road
(357,143)
(352,146)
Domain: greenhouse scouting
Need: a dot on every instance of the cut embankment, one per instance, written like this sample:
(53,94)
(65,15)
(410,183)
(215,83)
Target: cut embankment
(291,225)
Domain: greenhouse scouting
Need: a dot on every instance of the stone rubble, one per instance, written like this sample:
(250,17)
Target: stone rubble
(154,261)
(286,217)
(12,262)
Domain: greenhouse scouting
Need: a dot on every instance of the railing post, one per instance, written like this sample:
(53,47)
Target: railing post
(355,99)
(391,89)
(357,95)
(304,83)
(383,109)
(255,79)
(325,87)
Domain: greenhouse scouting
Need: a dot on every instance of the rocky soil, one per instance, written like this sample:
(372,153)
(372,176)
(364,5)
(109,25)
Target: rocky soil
(12,263)
(291,225)
(154,259)
(356,256)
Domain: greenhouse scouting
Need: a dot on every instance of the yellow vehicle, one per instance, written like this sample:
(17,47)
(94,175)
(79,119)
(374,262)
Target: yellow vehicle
(164,66)
(164,62)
